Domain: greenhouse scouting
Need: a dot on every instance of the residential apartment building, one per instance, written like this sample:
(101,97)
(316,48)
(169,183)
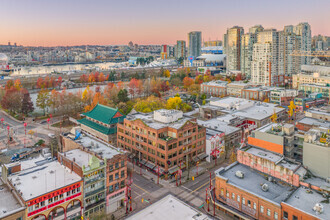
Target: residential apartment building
(180,49)
(259,93)
(316,79)
(215,88)
(283,96)
(233,48)
(165,137)
(288,43)
(247,42)
(194,43)
(235,88)
(220,88)
(92,170)
(265,59)
(309,89)
(115,162)
(304,31)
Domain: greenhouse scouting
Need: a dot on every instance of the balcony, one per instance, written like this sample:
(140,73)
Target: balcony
(95,179)
(101,189)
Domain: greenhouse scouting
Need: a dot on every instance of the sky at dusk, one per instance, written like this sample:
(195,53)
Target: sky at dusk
(110,22)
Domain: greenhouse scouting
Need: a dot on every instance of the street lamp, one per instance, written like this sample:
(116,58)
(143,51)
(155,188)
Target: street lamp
(48,120)
(2,120)
(25,124)
(8,133)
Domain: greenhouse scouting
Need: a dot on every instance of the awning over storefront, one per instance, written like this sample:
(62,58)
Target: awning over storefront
(196,159)
(202,156)
(142,162)
(149,165)
(173,169)
(161,170)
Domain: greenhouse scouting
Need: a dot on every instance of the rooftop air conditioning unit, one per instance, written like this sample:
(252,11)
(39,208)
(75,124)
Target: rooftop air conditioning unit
(318,208)
(265,187)
(239,174)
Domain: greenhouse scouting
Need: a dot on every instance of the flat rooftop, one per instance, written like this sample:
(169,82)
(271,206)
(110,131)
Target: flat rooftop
(319,182)
(148,119)
(275,158)
(103,149)
(252,182)
(79,156)
(167,208)
(39,180)
(315,122)
(8,203)
(305,202)
(220,126)
(243,107)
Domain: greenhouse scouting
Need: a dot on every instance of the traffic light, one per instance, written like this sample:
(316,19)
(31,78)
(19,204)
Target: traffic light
(142,200)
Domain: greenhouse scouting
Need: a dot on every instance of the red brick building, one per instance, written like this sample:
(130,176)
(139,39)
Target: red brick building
(165,137)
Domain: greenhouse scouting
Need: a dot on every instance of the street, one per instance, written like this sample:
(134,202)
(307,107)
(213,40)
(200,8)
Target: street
(146,191)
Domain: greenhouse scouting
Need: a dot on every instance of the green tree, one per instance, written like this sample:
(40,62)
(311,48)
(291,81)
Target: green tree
(43,100)
(123,95)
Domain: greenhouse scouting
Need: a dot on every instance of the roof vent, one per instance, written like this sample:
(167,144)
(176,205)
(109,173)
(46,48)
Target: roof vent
(34,177)
(262,154)
(265,187)
(318,208)
(51,171)
(239,174)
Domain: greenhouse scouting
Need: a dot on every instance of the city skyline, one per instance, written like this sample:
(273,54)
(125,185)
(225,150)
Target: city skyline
(69,23)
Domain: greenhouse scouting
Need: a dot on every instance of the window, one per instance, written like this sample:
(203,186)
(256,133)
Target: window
(233,196)
(221,191)
(116,186)
(68,193)
(50,200)
(254,206)
(227,194)
(249,203)
(111,188)
(268,212)
(261,209)
(122,184)
(73,191)
(275,215)
(117,176)
(61,196)
(122,163)
(110,178)
(111,167)
(55,198)
(78,189)
(243,201)
(117,165)
(238,198)
(43,203)
(294,217)
(122,173)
